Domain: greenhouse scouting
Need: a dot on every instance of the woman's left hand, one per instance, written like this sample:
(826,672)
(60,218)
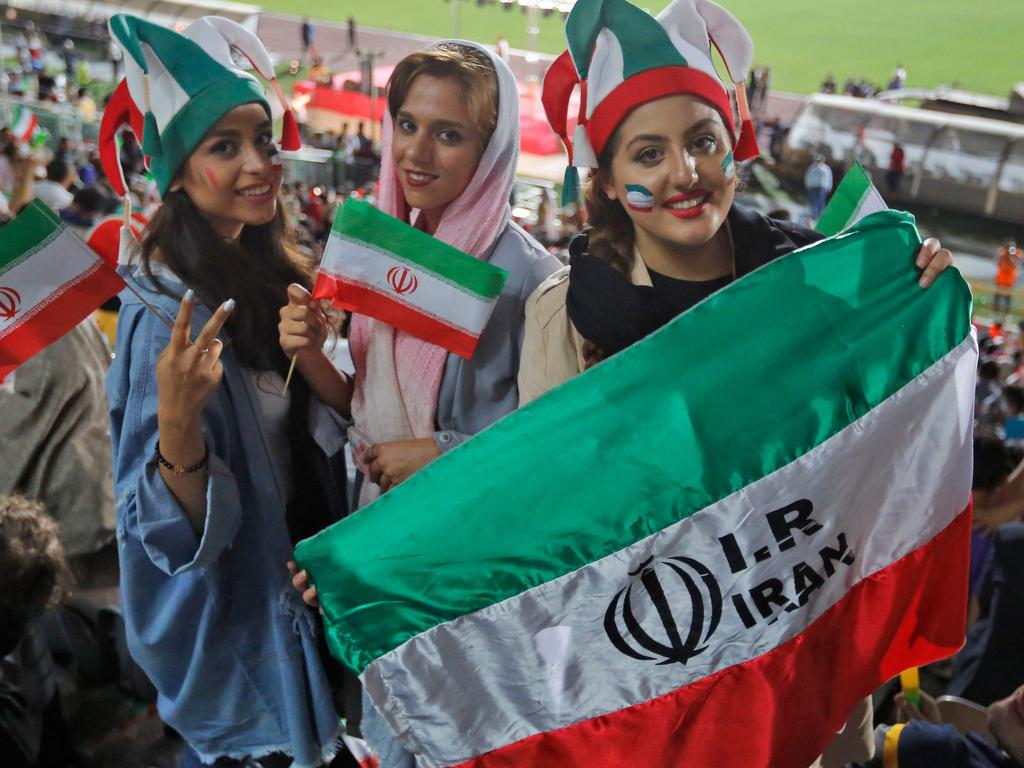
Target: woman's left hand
(391,463)
(932,258)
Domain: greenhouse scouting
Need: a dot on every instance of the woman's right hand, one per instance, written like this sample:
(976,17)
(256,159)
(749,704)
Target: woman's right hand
(303,326)
(300,580)
(188,373)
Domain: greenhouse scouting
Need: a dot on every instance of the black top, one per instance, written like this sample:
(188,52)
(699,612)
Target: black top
(683,294)
(608,310)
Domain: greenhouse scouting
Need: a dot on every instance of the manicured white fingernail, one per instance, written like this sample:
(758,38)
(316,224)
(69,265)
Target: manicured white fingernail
(190,294)
(229,305)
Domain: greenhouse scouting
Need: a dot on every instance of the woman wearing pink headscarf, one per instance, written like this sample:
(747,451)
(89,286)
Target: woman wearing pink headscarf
(451,144)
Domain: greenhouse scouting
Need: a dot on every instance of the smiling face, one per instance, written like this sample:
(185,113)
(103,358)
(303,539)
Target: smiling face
(673,173)
(436,145)
(230,175)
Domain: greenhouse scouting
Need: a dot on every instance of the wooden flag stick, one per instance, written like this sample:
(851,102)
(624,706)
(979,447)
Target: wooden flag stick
(288,379)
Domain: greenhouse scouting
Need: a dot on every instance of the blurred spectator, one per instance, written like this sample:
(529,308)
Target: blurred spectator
(8,159)
(351,32)
(86,106)
(33,576)
(764,85)
(70,62)
(829,84)
(817,184)
(503,49)
(86,207)
(991,664)
(1009,257)
(35,48)
(753,84)
(925,742)
(897,167)
(899,78)
(66,151)
(341,156)
(989,407)
(308,34)
(318,73)
(54,190)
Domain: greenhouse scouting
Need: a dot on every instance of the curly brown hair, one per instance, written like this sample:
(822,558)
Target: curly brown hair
(33,572)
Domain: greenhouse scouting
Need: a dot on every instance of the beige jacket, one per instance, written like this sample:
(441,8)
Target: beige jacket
(552,347)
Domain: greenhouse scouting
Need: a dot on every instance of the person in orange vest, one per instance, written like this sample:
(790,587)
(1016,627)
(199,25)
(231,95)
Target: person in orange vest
(1006,276)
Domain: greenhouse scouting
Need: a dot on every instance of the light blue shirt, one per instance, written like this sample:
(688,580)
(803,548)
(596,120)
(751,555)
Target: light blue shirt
(818,176)
(212,619)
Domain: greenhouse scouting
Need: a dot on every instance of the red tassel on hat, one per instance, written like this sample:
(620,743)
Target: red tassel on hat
(746,146)
(290,139)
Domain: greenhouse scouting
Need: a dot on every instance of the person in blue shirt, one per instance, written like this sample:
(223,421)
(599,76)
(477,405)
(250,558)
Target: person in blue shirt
(217,471)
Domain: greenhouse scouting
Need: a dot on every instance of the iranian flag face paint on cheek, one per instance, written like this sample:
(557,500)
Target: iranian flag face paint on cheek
(729,166)
(212,178)
(639,198)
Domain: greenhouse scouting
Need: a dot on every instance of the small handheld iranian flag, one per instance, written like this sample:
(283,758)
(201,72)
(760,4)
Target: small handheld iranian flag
(854,198)
(25,126)
(750,569)
(378,266)
(49,282)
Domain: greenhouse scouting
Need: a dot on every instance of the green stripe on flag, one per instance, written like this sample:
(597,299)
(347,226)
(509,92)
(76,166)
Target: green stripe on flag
(845,202)
(33,229)
(738,387)
(361,221)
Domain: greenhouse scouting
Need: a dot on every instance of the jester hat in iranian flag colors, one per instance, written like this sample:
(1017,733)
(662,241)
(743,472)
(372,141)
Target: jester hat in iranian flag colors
(182,84)
(622,57)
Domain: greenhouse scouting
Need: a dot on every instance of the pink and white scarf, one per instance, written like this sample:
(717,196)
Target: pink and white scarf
(398,376)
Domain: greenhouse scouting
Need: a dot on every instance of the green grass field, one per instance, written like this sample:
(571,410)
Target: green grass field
(938,41)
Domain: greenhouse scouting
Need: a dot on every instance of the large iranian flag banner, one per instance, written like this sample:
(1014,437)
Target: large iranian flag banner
(381,267)
(49,282)
(701,552)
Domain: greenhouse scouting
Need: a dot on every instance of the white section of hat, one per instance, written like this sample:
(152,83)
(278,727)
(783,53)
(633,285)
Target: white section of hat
(606,69)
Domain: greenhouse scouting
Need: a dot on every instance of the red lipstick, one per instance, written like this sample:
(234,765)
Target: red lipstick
(682,197)
(420,182)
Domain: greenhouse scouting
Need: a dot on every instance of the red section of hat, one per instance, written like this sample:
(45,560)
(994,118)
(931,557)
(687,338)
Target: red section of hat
(648,86)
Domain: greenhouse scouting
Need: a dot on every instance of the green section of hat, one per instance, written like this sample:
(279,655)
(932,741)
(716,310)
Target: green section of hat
(937,41)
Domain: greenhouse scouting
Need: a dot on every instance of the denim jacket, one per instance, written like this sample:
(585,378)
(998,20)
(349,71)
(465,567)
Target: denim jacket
(212,619)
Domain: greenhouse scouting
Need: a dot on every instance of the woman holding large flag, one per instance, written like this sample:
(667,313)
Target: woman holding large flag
(451,146)
(658,127)
(209,499)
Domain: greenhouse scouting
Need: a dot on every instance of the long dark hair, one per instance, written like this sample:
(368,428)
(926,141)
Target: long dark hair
(255,271)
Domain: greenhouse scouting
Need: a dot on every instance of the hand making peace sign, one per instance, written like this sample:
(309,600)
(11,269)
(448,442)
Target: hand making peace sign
(188,373)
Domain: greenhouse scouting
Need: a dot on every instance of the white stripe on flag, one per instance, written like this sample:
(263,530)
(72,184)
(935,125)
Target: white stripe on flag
(42,277)
(558,664)
(352,260)
(870,202)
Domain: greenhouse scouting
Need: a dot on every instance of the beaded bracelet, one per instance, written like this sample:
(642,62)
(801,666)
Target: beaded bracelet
(182,470)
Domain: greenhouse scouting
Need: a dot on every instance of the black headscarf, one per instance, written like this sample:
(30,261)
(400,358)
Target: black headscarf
(613,313)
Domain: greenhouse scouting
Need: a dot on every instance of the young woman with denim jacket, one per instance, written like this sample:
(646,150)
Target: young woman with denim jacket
(216,472)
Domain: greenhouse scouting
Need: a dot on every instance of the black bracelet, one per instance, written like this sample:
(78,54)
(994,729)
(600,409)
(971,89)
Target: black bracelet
(183,470)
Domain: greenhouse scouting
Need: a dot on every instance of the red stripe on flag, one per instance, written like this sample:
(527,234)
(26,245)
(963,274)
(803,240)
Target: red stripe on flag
(781,709)
(62,312)
(357,297)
